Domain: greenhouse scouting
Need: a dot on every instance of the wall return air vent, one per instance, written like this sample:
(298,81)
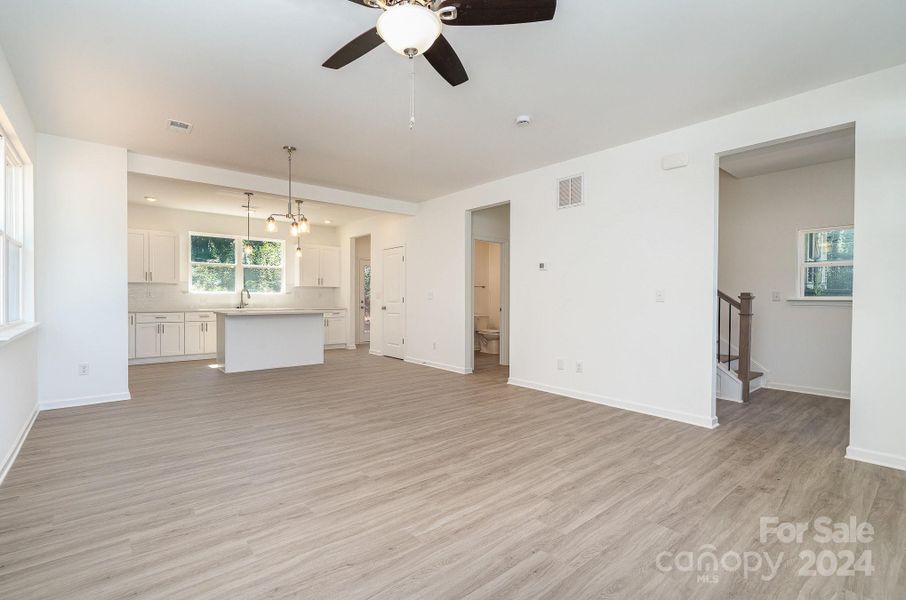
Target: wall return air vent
(571,191)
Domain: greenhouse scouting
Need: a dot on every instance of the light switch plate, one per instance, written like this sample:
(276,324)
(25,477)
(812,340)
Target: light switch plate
(660,296)
(775,296)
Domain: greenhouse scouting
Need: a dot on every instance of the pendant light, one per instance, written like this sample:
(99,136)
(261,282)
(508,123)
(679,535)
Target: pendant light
(298,222)
(247,247)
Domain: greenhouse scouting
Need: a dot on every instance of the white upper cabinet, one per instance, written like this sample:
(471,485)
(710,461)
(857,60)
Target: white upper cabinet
(319,267)
(153,256)
(138,256)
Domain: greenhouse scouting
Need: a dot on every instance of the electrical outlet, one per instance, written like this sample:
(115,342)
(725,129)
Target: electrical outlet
(561,364)
(580,366)
(83,368)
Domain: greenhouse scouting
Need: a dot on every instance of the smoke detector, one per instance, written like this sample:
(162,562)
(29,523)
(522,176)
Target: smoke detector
(179,126)
(523,120)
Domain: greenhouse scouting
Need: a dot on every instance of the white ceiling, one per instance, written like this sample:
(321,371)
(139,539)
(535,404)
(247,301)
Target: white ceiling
(201,197)
(248,76)
(793,154)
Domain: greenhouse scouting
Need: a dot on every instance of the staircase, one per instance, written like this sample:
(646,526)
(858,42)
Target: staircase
(735,378)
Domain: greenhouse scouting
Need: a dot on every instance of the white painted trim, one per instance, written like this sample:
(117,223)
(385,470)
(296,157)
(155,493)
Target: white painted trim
(10,458)
(174,169)
(83,401)
(375,352)
(882,459)
(350,346)
(153,360)
(437,365)
(803,389)
(828,301)
(13,332)
(708,421)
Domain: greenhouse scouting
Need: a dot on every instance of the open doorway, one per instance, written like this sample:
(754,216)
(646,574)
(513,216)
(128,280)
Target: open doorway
(785,267)
(488,293)
(362,263)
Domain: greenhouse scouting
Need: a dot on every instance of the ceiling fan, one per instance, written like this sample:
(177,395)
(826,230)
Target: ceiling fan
(413,27)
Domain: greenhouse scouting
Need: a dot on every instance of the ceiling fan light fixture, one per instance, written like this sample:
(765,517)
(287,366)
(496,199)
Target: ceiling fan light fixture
(410,29)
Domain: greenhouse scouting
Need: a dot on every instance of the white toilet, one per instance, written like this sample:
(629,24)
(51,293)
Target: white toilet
(488,339)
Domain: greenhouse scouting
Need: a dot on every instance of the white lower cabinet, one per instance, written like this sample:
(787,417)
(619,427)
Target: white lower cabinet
(334,329)
(159,334)
(131,335)
(201,336)
(147,340)
(172,339)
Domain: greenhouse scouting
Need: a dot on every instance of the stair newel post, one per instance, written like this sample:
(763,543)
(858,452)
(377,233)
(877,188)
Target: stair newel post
(745,342)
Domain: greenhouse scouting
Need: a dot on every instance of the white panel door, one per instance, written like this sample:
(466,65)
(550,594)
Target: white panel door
(172,340)
(147,340)
(131,336)
(163,256)
(209,333)
(309,264)
(393,307)
(195,338)
(329,267)
(137,251)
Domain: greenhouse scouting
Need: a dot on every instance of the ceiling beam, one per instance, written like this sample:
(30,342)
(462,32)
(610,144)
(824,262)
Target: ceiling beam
(174,169)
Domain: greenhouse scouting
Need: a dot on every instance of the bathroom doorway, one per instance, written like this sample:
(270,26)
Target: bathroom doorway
(488,296)
(362,264)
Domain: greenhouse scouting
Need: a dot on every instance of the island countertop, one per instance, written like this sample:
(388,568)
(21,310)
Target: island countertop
(266,312)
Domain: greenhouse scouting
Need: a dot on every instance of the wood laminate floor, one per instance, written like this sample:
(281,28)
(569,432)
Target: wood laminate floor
(371,478)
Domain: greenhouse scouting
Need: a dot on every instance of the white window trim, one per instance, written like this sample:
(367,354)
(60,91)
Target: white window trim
(237,265)
(800,283)
(10,329)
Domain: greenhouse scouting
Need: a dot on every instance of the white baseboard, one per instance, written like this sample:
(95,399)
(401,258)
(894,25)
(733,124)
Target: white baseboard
(83,401)
(437,365)
(802,389)
(170,359)
(876,458)
(350,346)
(737,400)
(375,352)
(646,409)
(14,451)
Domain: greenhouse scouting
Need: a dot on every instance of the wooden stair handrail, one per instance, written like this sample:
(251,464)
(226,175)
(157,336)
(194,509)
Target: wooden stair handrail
(744,306)
(729,299)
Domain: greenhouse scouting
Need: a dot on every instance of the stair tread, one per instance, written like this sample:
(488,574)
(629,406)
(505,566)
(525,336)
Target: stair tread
(725,358)
(752,374)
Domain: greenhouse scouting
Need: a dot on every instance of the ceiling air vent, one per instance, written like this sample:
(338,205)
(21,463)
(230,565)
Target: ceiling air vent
(571,191)
(179,126)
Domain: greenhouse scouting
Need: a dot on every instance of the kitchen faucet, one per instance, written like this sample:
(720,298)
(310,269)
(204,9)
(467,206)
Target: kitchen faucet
(244,297)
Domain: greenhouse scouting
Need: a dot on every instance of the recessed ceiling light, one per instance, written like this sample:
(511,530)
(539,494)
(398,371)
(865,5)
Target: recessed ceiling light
(327,221)
(150,198)
(524,120)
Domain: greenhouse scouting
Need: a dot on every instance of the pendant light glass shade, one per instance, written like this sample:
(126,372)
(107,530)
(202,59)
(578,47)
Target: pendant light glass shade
(271,224)
(304,226)
(410,29)
(298,252)
(294,229)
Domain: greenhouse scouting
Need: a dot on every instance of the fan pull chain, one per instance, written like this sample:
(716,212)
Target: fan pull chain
(411,94)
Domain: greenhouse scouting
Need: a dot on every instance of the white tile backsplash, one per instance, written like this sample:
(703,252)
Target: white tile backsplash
(145,297)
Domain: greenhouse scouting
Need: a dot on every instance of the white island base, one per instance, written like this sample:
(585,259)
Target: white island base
(254,340)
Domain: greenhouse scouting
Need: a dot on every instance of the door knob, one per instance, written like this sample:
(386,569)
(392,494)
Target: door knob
(383,308)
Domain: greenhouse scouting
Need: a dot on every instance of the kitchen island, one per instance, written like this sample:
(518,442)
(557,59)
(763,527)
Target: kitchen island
(252,339)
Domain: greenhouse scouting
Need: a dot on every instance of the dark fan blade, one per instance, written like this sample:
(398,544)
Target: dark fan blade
(500,12)
(355,49)
(444,60)
(364,3)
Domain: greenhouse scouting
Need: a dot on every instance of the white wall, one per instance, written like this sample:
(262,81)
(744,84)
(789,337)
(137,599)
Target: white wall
(162,297)
(645,229)
(18,358)
(81,271)
(803,347)
(386,231)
